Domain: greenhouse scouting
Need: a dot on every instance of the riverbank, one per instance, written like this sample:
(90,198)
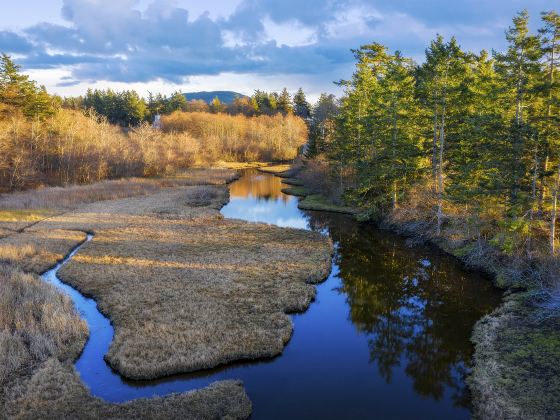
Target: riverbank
(311,200)
(516,347)
(184,289)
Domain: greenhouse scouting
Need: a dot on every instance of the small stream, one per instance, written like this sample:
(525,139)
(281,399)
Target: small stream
(387,337)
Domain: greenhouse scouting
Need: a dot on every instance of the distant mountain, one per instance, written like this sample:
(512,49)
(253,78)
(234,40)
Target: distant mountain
(225,96)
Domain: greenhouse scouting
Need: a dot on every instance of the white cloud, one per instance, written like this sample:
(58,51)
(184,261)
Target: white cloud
(290,33)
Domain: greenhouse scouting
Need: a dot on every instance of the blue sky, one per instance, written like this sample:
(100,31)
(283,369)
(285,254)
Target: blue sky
(242,45)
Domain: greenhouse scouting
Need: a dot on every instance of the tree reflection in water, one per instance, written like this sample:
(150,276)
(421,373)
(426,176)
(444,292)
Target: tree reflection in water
(416,312)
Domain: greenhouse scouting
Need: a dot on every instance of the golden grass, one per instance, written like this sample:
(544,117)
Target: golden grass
(55,392)
(36,323)
(41,334)
(184,288)
(25,215)
(275,169)
(192,291)
(38,250)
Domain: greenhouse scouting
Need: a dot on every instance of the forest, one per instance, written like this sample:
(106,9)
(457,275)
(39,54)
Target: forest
(464,143)
(47,140)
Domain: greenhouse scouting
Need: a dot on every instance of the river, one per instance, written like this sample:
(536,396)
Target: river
(387,337)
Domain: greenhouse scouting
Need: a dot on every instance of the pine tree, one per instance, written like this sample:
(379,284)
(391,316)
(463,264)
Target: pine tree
(441,78)
(518,68)
(321,124)
(284,104)
(550,127)
(16,90)
(301,106)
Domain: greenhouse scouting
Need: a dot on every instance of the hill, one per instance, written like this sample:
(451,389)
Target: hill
(225,96)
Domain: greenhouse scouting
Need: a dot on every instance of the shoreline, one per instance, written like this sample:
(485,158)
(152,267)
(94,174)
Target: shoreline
(491,398)
(167,213)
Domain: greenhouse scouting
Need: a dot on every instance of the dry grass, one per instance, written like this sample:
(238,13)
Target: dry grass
(38,250)
(239,165)
(36,323)
(22,209)
(55,392)
(30,205)
(25,215)
(5,232)
(275,169)
(186,289)
(41,334)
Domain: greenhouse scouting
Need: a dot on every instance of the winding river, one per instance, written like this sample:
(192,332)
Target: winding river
(387,337)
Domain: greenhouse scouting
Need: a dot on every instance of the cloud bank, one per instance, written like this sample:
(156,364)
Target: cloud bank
(132,41)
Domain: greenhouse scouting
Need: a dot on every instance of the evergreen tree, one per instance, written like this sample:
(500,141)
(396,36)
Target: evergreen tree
(284,103)
(176,102)
(301,106)
(518,69)
(16,90)
(550,124)
(442,79)
(321,124)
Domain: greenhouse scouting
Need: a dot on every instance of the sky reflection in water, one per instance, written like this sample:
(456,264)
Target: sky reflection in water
(387,337)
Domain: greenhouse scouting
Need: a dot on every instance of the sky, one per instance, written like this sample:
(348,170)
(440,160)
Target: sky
(241,45)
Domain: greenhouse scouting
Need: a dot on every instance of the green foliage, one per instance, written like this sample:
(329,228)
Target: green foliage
(322,124)
(512,235)
(125,108)
(485,127)
(17,91)
(301,106)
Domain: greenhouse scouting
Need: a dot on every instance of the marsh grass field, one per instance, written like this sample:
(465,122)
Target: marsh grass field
(184,289)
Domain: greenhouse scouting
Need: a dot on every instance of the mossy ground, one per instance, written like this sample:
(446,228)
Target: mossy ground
(318,202)
(517,370)
(296,190)
(292,181)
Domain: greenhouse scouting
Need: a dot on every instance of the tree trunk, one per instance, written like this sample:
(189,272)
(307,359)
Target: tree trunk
(553,212)
(534,182)
(434,151)
(394,168)
(542,189)
(440,173)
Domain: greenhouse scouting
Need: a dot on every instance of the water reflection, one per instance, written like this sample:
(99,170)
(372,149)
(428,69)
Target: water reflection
(415,306)
(387,337)
(413,309)
(257,197)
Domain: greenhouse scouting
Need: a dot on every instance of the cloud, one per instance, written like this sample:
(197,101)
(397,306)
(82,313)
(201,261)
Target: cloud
(11,42)
(133,41)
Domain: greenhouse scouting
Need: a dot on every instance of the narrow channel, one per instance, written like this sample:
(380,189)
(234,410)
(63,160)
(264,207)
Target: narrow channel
(387,337)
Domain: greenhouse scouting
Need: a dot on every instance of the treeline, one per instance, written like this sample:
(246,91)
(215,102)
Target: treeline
(43,143)
(128,108)
(471,142)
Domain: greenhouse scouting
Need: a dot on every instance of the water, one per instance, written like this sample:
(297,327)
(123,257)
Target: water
(387,337)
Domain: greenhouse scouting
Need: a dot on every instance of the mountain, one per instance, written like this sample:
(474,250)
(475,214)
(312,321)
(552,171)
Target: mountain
(225,96)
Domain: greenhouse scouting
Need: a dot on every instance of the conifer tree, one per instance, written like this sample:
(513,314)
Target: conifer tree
(301,106)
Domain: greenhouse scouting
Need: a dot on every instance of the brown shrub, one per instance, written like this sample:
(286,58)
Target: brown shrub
(238,137)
